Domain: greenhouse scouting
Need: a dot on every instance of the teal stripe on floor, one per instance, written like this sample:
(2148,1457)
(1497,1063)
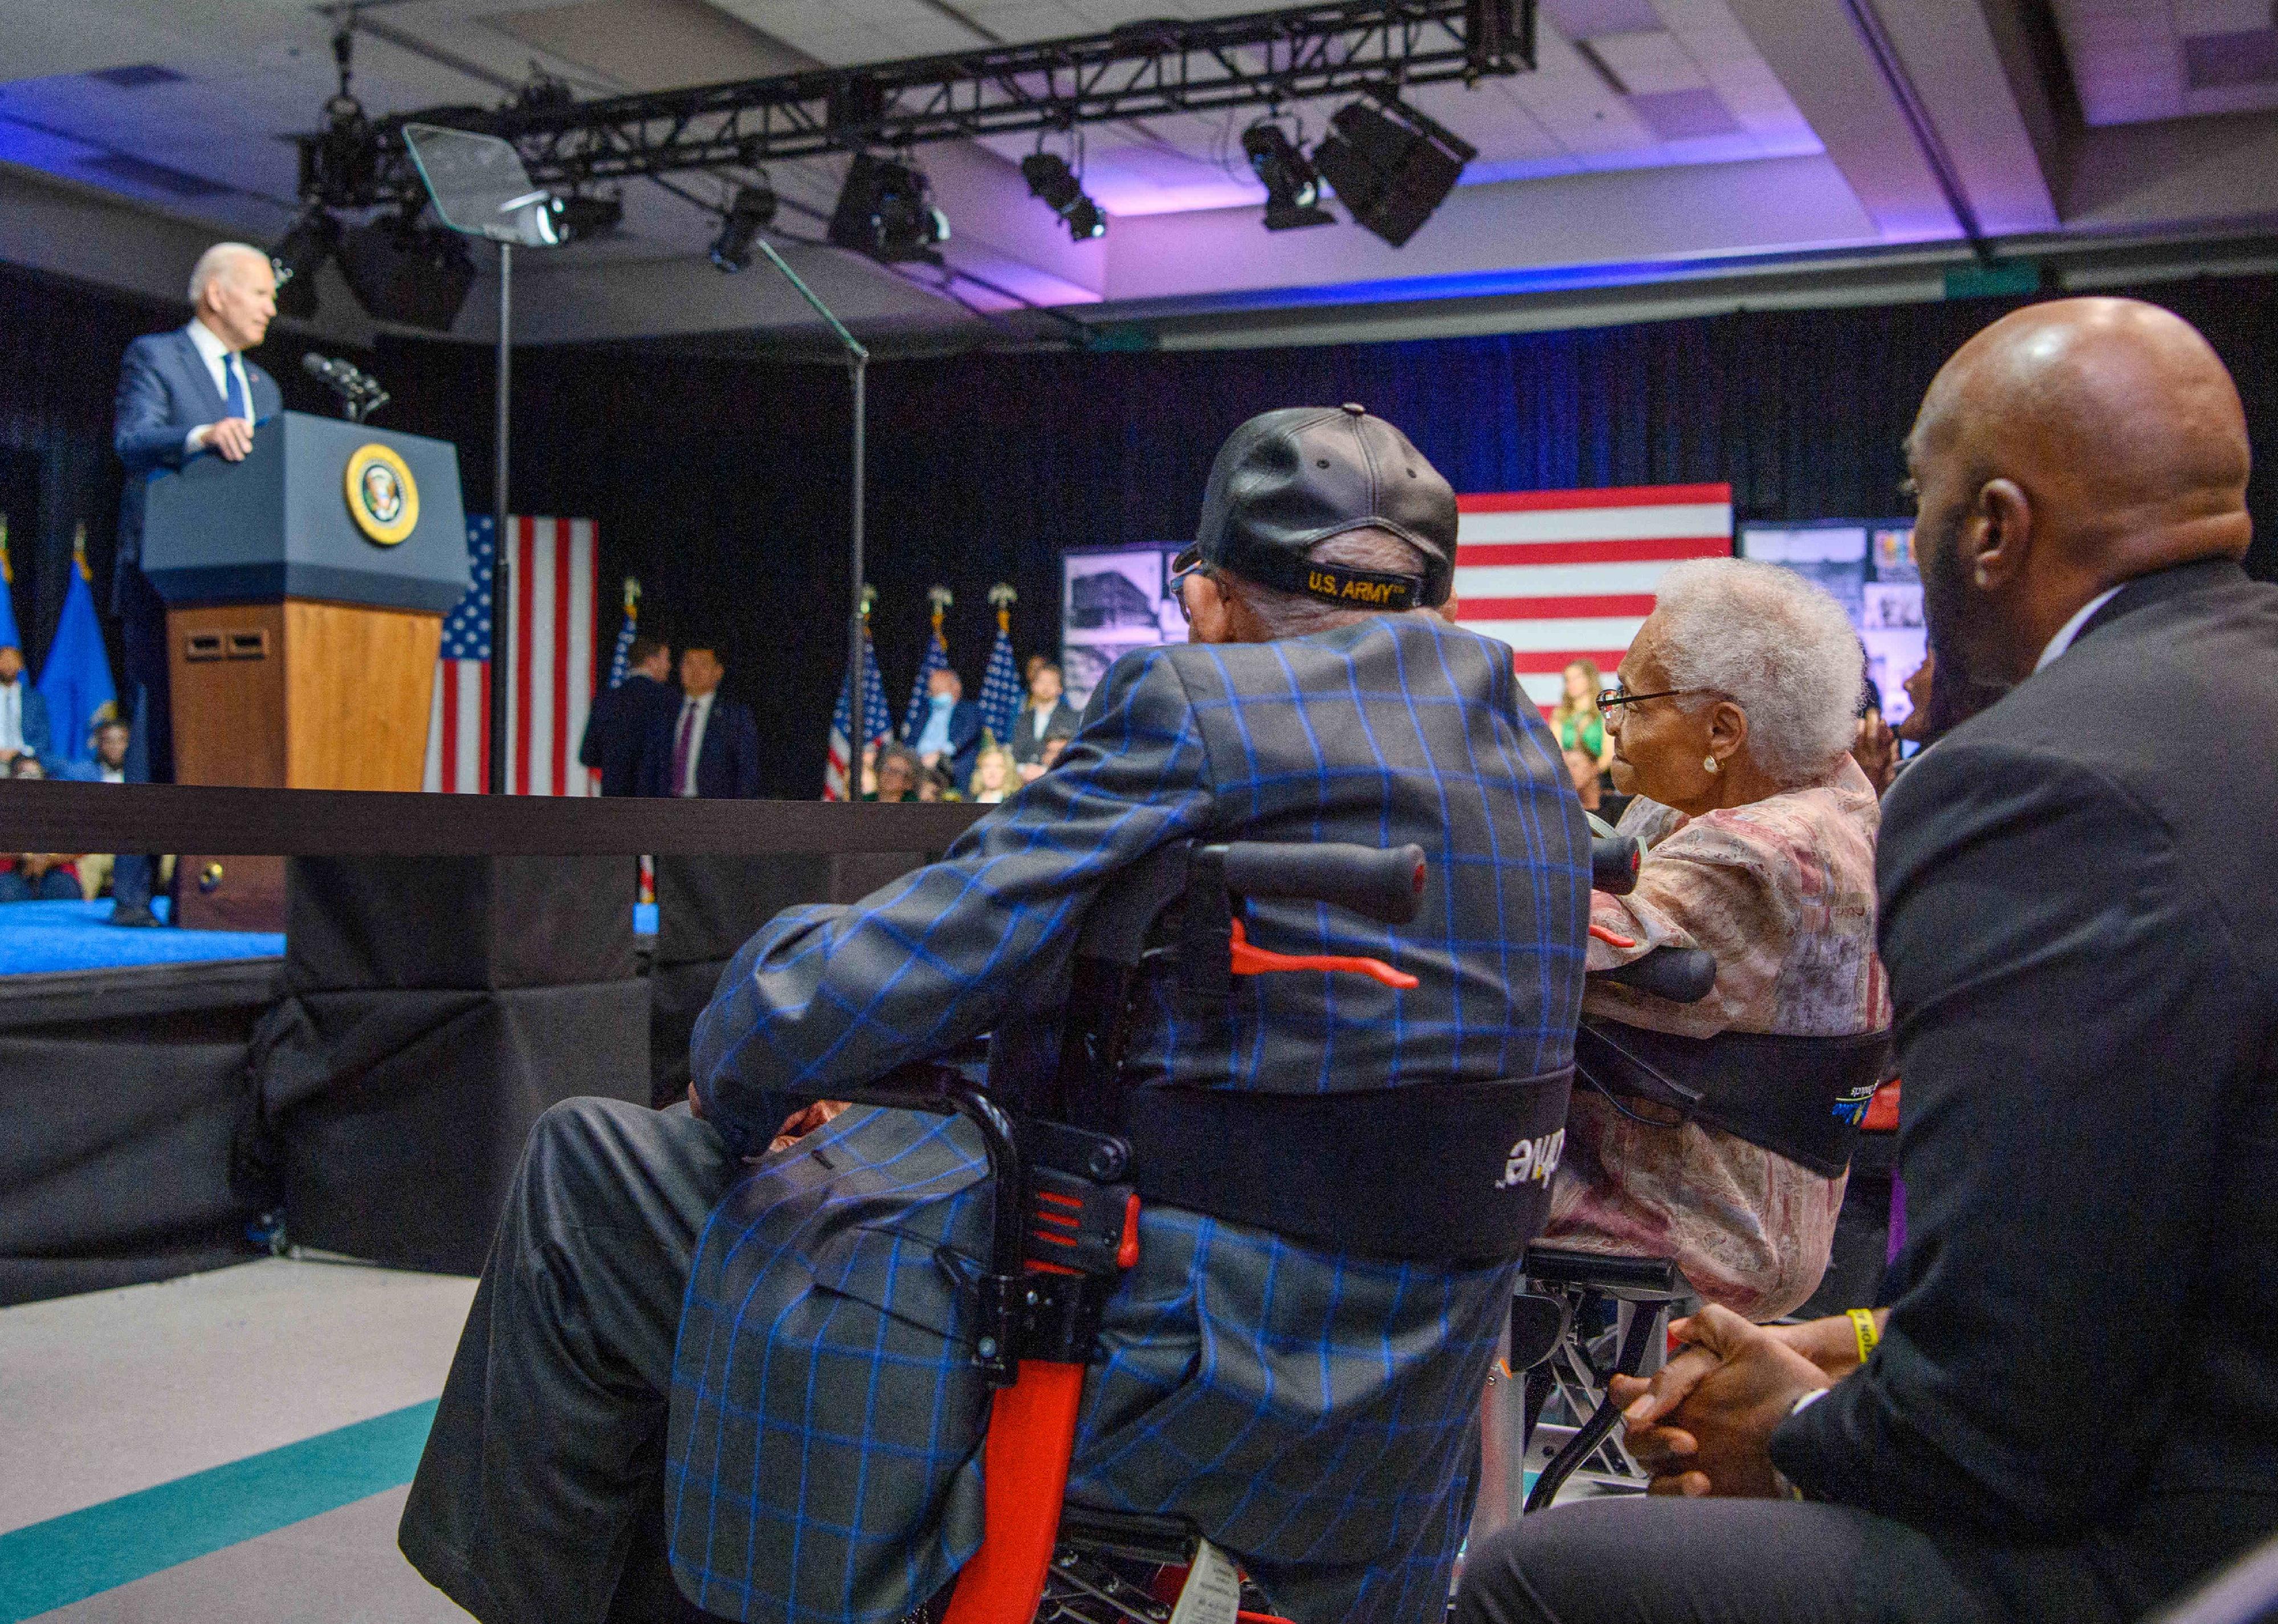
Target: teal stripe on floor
(70,1558)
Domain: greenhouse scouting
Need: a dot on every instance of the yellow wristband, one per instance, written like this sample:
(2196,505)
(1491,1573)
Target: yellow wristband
(1862,1327)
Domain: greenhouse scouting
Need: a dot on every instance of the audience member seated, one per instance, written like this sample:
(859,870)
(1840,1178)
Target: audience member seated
(1046,717)
(36,876)
(108,766)
(788,1345)
(2070,1411)
(1050,757)
(898,773)
(950,737)
(995,775)
(1732,724)
(22,710)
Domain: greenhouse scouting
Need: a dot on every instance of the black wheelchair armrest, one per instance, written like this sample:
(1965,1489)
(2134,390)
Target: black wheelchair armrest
(1638,1279)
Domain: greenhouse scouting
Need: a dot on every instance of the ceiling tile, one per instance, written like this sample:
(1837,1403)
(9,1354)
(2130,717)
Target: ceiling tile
(1649,63)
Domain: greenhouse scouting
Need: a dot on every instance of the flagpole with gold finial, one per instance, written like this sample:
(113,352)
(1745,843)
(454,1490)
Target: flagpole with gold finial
(1004,597)
(7,570)
(79,553)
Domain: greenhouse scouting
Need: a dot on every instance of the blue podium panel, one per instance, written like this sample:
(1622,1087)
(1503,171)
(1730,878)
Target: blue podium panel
(320,508)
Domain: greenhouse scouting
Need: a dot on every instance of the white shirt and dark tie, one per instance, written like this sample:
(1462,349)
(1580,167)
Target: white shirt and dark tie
(688,741)
(226,368)
(12,715)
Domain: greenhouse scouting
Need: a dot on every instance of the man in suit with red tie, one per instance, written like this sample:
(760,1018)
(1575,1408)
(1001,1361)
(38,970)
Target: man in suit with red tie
(710,746)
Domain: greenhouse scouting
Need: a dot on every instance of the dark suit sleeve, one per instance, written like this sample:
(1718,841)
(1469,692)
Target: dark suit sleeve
(144,430)
(827,998)
(747,753)
(589,744)
(2066,996)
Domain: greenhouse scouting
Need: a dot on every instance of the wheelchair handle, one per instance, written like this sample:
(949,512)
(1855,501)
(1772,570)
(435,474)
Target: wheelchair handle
(1614,861)
(1384,884)
(1681,975)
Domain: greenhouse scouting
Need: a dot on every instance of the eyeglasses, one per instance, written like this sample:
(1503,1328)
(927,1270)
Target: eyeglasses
(1187,561)
(1614,699)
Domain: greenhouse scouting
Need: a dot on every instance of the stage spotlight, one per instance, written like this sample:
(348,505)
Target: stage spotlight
(1391,165)
(754,208)
(403,271)
(1050,178)
(581,216)
(314,238)
(1293,190)
(886,212)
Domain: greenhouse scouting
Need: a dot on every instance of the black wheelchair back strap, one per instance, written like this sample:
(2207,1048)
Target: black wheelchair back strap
(1801,1098)
(1433,1173)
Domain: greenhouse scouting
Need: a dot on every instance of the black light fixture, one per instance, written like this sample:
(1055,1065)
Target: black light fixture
(1391,165)
(753,208)
(1050,179)
(298,256)
(582,215)
(403,271)
(1293,187)
(886,211)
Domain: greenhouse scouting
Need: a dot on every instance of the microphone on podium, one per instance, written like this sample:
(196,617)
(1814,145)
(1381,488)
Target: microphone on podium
(360,392)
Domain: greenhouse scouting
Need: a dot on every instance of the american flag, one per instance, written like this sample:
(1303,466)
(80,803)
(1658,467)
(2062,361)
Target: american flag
(621,661)
(936,659)
(1001,693)
(549,664)
(839,782)
(1562,576)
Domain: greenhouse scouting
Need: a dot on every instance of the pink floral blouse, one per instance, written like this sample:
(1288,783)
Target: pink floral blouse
(1782,892)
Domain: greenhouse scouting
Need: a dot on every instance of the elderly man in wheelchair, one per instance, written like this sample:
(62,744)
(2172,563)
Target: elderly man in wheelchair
(1279,968)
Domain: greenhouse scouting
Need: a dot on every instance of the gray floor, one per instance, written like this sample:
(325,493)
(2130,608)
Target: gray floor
(114,1392)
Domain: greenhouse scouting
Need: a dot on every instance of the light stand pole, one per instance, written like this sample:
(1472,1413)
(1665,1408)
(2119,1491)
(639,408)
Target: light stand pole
(501,572)
(858,361)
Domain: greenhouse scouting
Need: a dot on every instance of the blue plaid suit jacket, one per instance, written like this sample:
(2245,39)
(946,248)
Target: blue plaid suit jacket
(1309,1411)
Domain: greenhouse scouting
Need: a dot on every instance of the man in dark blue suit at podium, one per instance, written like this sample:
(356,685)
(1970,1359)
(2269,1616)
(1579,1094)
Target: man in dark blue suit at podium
(181,394)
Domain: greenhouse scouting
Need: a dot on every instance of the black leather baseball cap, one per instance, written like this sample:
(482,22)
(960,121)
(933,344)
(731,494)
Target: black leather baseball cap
(1287,481)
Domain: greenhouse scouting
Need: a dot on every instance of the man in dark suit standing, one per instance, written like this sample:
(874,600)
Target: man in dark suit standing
(708,745)
(23,712)
(618,728)
(182,394)
(2071,1409)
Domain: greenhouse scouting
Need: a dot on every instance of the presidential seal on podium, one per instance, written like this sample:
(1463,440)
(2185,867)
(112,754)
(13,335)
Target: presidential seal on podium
(382,499)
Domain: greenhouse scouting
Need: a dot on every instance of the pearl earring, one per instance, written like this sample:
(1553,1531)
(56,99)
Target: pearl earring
(1708,764)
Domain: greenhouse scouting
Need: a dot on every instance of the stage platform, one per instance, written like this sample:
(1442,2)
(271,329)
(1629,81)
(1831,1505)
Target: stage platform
(49,938)
(55,938)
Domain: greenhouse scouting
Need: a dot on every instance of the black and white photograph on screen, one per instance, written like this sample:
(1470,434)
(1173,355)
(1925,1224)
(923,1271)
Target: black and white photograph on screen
(1114,600)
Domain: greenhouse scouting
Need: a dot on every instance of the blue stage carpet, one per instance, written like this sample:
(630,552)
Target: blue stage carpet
(39,938)
(42,938)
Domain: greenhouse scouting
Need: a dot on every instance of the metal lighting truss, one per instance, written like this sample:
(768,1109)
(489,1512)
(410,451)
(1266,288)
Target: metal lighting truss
(1142,69)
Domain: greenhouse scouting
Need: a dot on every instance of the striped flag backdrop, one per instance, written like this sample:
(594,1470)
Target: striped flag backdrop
(1562,576)
(549,663)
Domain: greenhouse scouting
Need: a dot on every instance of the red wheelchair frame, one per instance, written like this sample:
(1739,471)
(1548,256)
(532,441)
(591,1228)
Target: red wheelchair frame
(1059,1245)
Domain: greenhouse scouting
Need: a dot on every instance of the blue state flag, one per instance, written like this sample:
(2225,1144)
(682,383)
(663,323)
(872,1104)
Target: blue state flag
(10,638)
(76,681)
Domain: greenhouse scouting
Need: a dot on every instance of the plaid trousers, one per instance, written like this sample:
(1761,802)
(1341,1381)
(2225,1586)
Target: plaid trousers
(1309,1411)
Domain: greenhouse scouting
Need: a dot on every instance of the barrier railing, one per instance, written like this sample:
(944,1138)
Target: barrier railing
(58,816)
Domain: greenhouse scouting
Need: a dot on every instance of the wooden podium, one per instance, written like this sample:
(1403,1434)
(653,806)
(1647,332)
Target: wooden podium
(305,591)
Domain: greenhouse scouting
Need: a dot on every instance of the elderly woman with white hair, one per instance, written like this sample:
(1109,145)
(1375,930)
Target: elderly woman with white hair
(1731,723)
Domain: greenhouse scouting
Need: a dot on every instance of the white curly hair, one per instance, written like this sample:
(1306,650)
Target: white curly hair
(1778,645)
